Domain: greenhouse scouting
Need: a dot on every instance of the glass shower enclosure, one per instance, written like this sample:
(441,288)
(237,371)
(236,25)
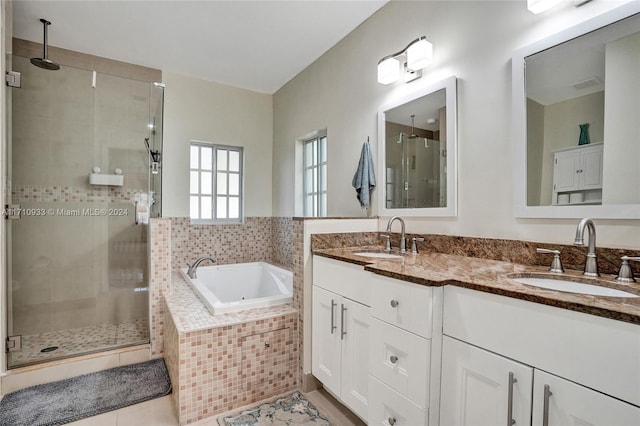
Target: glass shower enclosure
(84,177)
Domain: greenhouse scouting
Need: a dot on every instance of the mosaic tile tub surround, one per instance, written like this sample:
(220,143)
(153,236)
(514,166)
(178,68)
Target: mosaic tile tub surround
(223,362)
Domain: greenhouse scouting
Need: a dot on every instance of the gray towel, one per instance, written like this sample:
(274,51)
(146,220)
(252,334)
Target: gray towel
(364,180)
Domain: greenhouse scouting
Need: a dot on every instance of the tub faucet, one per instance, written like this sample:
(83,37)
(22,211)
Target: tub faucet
(191,272)
(591,264)
(403,240)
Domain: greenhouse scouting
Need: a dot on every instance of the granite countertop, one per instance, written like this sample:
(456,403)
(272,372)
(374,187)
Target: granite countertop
(491,276)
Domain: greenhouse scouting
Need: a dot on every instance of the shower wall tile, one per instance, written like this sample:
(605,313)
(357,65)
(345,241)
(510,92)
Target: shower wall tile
(30,49)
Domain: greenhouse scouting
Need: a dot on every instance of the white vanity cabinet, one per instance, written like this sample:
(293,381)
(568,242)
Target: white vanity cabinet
(404,354)
(340,331)
(577,175)
(560,402)
(482,388)
(589,364)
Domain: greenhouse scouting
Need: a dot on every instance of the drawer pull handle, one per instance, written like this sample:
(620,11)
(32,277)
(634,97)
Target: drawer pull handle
(545,406)
(393,359)
(392,421)
(394,303)
(512,380)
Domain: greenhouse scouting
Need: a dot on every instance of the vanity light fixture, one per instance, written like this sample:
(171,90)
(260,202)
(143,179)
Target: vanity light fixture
(417,55)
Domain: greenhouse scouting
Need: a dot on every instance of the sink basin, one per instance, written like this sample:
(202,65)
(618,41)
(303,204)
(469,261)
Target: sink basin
(377,255)
(572,287)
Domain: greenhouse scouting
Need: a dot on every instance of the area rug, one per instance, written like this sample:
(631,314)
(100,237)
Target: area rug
(84,396)
(290,410)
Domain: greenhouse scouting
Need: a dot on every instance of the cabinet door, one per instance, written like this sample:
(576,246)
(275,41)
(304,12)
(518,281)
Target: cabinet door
(591,168)
(565,173)
(325,340)
(481,388)
(354,331)
(558,402)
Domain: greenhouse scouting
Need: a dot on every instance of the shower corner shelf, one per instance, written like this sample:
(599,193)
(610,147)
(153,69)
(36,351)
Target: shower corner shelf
(103,179)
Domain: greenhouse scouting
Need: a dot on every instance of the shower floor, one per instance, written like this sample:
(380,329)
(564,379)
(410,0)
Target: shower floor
(78,341)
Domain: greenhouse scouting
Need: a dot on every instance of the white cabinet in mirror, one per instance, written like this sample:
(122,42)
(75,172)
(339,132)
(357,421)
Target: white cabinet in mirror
(417,150)
(587,74)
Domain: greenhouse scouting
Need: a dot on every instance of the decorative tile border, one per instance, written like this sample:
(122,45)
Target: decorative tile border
(69,194)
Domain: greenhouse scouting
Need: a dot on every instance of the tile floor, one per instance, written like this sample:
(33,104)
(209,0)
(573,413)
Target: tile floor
(79,340)
(160,412)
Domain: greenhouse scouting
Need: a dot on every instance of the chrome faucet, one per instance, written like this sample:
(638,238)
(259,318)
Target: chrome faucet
(591,264)
(403,240)
(191,272)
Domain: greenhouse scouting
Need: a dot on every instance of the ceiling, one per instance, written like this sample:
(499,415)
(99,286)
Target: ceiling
(255,45)
(574,68)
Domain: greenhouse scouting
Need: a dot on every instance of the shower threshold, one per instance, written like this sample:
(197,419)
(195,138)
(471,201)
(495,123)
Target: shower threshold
(37,348)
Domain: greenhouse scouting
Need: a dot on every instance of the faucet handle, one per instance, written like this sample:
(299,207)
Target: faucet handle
(556,263)
(414,246)
(387,243)
(625,274)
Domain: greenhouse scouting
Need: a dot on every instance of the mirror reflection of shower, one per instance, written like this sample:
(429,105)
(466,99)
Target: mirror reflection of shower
(415,160)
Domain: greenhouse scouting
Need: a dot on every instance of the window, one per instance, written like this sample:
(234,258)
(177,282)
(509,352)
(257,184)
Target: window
(216,182)
(315,176)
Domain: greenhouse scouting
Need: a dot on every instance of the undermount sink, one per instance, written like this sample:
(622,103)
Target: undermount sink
(377,255)
(558,284)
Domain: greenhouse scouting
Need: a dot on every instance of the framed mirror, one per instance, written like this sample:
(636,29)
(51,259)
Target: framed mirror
(417,152)
(576,120)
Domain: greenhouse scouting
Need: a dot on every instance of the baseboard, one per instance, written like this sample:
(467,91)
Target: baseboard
(310,383)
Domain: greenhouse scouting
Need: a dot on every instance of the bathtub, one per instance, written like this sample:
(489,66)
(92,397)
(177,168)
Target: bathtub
(240,286)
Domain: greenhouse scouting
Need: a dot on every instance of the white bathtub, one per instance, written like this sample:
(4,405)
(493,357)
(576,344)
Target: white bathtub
(239,286)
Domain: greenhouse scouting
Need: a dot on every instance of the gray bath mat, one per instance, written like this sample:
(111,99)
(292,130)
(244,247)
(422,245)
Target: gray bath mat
(84,396)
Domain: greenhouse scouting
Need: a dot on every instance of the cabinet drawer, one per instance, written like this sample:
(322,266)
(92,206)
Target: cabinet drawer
(400,360)
(346,279)
(387,406)
(406,305)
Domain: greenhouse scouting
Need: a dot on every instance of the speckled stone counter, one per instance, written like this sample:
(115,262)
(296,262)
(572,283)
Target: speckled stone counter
(492,276)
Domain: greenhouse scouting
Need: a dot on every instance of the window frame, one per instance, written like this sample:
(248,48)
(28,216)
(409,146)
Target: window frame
(215,147)
(319,208)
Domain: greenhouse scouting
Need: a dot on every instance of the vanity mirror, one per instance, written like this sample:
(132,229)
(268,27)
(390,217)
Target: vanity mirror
(585,77)
(417,151)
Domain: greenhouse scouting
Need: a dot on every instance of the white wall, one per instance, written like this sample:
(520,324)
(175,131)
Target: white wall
(473,40)
(207,111)
(622,106)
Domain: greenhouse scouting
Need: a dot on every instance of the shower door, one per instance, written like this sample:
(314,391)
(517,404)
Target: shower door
(77,259)
(416,173)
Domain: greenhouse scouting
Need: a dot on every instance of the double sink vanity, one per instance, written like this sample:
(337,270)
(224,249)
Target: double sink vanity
(440,338)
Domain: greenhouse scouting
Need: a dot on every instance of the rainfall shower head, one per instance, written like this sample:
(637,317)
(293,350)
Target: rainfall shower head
(44,62)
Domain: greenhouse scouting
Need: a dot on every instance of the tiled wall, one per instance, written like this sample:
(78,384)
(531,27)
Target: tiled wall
(220,369)
(160,280)
(257,239)
(298,292)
